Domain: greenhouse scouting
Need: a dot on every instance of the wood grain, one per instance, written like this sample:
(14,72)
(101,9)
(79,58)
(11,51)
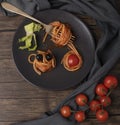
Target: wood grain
(10,23)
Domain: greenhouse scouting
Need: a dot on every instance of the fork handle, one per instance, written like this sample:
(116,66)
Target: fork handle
(13,9)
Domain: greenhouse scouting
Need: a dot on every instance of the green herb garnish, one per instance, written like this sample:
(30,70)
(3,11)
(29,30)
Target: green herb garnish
(30,36)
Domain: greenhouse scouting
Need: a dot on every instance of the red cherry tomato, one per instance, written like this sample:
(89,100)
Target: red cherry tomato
(110,81)
(65,111)
(101,90)
(80,116)
(102,115)
(73,60)
(81,99)
(105,101)
(95,105)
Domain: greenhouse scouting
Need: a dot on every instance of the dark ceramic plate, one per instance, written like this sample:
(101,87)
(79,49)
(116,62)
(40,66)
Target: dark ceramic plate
(59,78)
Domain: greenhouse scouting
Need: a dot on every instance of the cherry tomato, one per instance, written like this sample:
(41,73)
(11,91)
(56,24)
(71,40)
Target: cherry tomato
(102,115)
(73,60)
(95,105)
(101,90)
(81,99)
(105,101)
(80,116)
(65,111)
(110,81)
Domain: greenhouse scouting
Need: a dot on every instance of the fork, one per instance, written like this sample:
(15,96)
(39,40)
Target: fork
(11,8)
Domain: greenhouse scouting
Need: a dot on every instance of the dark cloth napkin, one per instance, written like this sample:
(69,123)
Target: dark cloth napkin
(107,51)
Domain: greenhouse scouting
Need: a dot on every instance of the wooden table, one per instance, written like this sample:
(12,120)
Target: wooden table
(21,101)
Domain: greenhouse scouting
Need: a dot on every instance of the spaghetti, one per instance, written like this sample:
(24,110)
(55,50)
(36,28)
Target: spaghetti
(61,35)
(65,61)
(42,61)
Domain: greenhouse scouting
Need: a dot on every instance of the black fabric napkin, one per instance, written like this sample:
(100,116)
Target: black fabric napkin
(107,51)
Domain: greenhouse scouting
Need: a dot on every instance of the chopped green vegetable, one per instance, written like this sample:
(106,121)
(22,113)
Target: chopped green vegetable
(30,36)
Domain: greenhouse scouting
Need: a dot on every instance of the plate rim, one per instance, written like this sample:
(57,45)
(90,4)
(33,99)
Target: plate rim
(92,44)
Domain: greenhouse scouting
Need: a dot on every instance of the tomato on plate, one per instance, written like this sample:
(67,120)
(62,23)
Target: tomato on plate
(81,99)
(101,90)
(80,116)
(73,60)
(102,115)
(111,81)
(65,111)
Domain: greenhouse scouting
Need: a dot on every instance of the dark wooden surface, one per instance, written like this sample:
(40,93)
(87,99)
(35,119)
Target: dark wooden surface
(21,101)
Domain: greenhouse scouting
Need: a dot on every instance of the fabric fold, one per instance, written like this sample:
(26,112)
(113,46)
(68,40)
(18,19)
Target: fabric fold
(55,119)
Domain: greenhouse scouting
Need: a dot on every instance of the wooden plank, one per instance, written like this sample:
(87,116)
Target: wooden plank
(27,105)
(21,117)
(12,24)
(17,116)
(88,122)
(47,100)
(24,90)
(6,123)
(45,103)
(6,39)
(8,71)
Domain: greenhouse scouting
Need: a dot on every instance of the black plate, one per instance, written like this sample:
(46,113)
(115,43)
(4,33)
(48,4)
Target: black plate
(59,78)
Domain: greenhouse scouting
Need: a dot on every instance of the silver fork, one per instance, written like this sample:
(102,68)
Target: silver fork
(11,8)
